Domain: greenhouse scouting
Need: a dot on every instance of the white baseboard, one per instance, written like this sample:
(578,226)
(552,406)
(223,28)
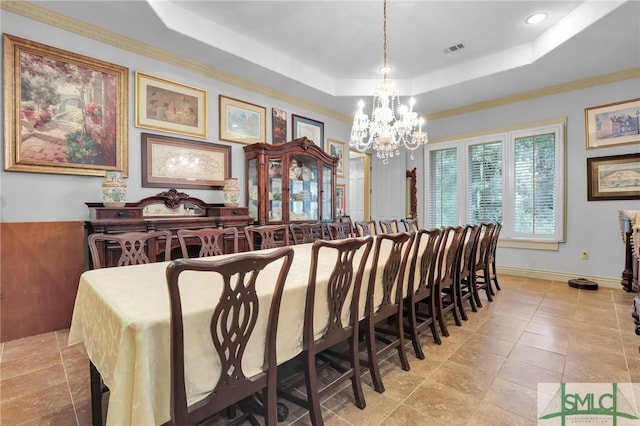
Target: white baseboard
(558,276)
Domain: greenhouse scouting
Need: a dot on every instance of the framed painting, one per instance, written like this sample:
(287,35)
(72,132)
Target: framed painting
(312,129)
(616,177)
(64,113)
(278,126)
(182,163)
(338,150)
(169,106)
(613,124)
(241,121)
(341,199)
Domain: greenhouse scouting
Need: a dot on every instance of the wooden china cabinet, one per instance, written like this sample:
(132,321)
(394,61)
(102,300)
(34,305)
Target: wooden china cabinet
(291,182)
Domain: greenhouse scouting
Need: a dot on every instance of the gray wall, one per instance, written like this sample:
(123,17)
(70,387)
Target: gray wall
(33,197)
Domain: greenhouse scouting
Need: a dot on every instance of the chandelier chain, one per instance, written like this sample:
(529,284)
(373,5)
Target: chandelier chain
(384,38)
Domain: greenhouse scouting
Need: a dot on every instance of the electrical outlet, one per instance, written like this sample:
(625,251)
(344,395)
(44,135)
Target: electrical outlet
(584,255)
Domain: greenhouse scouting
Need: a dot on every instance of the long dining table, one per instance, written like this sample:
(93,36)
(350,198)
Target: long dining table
(121,316)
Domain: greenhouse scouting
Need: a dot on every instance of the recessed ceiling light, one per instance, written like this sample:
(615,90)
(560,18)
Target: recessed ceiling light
(535,18)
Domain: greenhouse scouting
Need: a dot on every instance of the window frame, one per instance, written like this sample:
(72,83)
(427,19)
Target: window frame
(507,138)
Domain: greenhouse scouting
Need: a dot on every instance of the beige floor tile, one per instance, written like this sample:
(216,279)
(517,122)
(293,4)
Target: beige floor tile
(442,403)
(526,374)
(555,344)
(487,414)
(465,378)
(538,357)
(484,360)
(405,415)
(515,398)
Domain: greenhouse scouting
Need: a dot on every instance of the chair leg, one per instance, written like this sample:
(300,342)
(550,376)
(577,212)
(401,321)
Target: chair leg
(374,367)
(460,303)
(454,302)
(475,291)
(487,278)
(315,412)
(413,331)
(96,395)
(440,315)
(495,276)
(356,380)
(402,353)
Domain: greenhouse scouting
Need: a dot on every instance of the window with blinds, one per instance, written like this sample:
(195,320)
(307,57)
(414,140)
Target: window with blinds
(485,182)
(516,178)
(534,189)
(443,206)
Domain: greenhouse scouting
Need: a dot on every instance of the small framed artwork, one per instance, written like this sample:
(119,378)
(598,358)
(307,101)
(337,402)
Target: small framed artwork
(312,129)
(338,150)
(278,126)
(613,124)
(169,106)
(181,163)
(341,199)
(241,121)
(616,177)
(64,113)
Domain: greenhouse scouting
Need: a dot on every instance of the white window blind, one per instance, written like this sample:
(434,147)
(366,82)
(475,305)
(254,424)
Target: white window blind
(443,166)
(534,188)
(484,175)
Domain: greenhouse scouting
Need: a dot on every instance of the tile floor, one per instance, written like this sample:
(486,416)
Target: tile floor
(485,373)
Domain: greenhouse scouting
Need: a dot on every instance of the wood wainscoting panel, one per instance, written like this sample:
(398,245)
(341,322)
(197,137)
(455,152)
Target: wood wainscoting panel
(40,266)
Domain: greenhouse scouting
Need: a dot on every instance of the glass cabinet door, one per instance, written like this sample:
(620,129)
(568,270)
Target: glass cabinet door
(327,194)
(274,207)
(252,187)
(303,189)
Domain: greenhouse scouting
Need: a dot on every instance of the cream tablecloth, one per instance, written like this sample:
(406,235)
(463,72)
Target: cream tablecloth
(121,315)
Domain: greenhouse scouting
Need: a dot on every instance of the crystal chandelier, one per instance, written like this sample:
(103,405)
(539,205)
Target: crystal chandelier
(392,125)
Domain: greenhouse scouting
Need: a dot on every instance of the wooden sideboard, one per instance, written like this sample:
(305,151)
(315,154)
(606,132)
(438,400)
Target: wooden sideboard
(170,210)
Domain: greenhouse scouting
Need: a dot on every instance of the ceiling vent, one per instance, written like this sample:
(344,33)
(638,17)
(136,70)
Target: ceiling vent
(454,48)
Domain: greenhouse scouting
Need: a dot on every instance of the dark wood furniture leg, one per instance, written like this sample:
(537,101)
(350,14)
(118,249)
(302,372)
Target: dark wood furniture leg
(96,395)
(627,273)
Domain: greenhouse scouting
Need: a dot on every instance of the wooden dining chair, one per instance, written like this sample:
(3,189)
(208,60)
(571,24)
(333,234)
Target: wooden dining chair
(267,236)
(483,262)
(366,227)
(129,248)
(389,226)
(338,230)
(340,293)
(449,270)
(421,296)
(303,233)
(229,333)
(211,241)
(389,310)
(410,224)
(467,288)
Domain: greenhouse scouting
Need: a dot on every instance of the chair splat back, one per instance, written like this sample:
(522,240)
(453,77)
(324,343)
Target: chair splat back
(210,240)
(133,248)
(232,324)
(366,227)
(303,233)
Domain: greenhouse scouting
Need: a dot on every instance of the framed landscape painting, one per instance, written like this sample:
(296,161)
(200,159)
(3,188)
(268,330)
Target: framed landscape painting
(613,124)
(278,126)
(241,121)
(312,129)
(169,106)
(64,113)
(181,163)
(616,177)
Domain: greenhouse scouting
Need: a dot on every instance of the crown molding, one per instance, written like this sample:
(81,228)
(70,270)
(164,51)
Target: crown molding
(539,93)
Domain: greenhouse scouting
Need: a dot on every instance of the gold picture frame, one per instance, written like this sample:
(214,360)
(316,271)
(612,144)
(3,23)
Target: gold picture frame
(338,150)
(170,106)
(241,121)
(64,113)
(341,199)
(612,124)
(173,162)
